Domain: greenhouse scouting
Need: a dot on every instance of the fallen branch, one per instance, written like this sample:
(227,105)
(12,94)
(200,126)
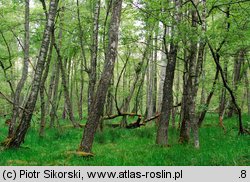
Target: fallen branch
(120,114)
(150,119)
(133,125)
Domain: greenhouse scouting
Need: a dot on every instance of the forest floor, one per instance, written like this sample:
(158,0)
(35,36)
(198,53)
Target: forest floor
(131,147)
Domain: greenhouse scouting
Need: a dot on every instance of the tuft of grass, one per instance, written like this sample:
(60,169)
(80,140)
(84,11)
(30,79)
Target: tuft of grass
(131,147)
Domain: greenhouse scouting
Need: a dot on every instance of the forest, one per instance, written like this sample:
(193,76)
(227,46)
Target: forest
(124,82)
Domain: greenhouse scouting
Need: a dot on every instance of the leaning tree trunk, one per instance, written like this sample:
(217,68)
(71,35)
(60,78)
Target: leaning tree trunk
(209,97)
(99,100)
(15,111)
(139,73)
(216,58)
(42,89)
(223,101)
(19,135)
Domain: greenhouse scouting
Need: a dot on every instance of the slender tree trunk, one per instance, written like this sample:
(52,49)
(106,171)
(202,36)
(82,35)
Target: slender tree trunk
(66,91)
(209,97)
(177,90)
(67,69)
(81,92)
(185,126)
(101,92)
(216,58)
(19,135)
(155,75)
(16,100)
(125,104)
(248,94)
(65,78)
(150,85)
(50,91)
(139,73)
(223,100)
(83,63)
(53,111)
(42,88)
(94,51)
(163,65)
(239,59)
(110,100)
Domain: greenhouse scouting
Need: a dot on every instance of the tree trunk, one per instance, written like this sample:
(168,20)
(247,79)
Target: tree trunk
(216,58)
(248,94)
(209,97)
(42,88)
(81,92)
(53,111)
(162,131)
(162,76)
(139,73)
(16,100)
(19,135)
(223,100)
(99,100)
(150,85)
(184,117)
(66,90)
(94,50)
(239,59)
(167,101)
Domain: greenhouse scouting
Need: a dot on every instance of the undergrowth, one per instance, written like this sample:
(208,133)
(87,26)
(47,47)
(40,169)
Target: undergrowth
(131,147)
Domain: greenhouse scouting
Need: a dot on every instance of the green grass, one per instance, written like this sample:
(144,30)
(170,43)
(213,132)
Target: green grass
(131,147)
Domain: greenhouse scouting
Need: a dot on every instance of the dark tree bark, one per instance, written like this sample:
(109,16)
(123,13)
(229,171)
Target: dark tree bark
(167,101)
(16,100)
(19,135)
(194,71)
(99,100)
(216,57)
(184,117)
